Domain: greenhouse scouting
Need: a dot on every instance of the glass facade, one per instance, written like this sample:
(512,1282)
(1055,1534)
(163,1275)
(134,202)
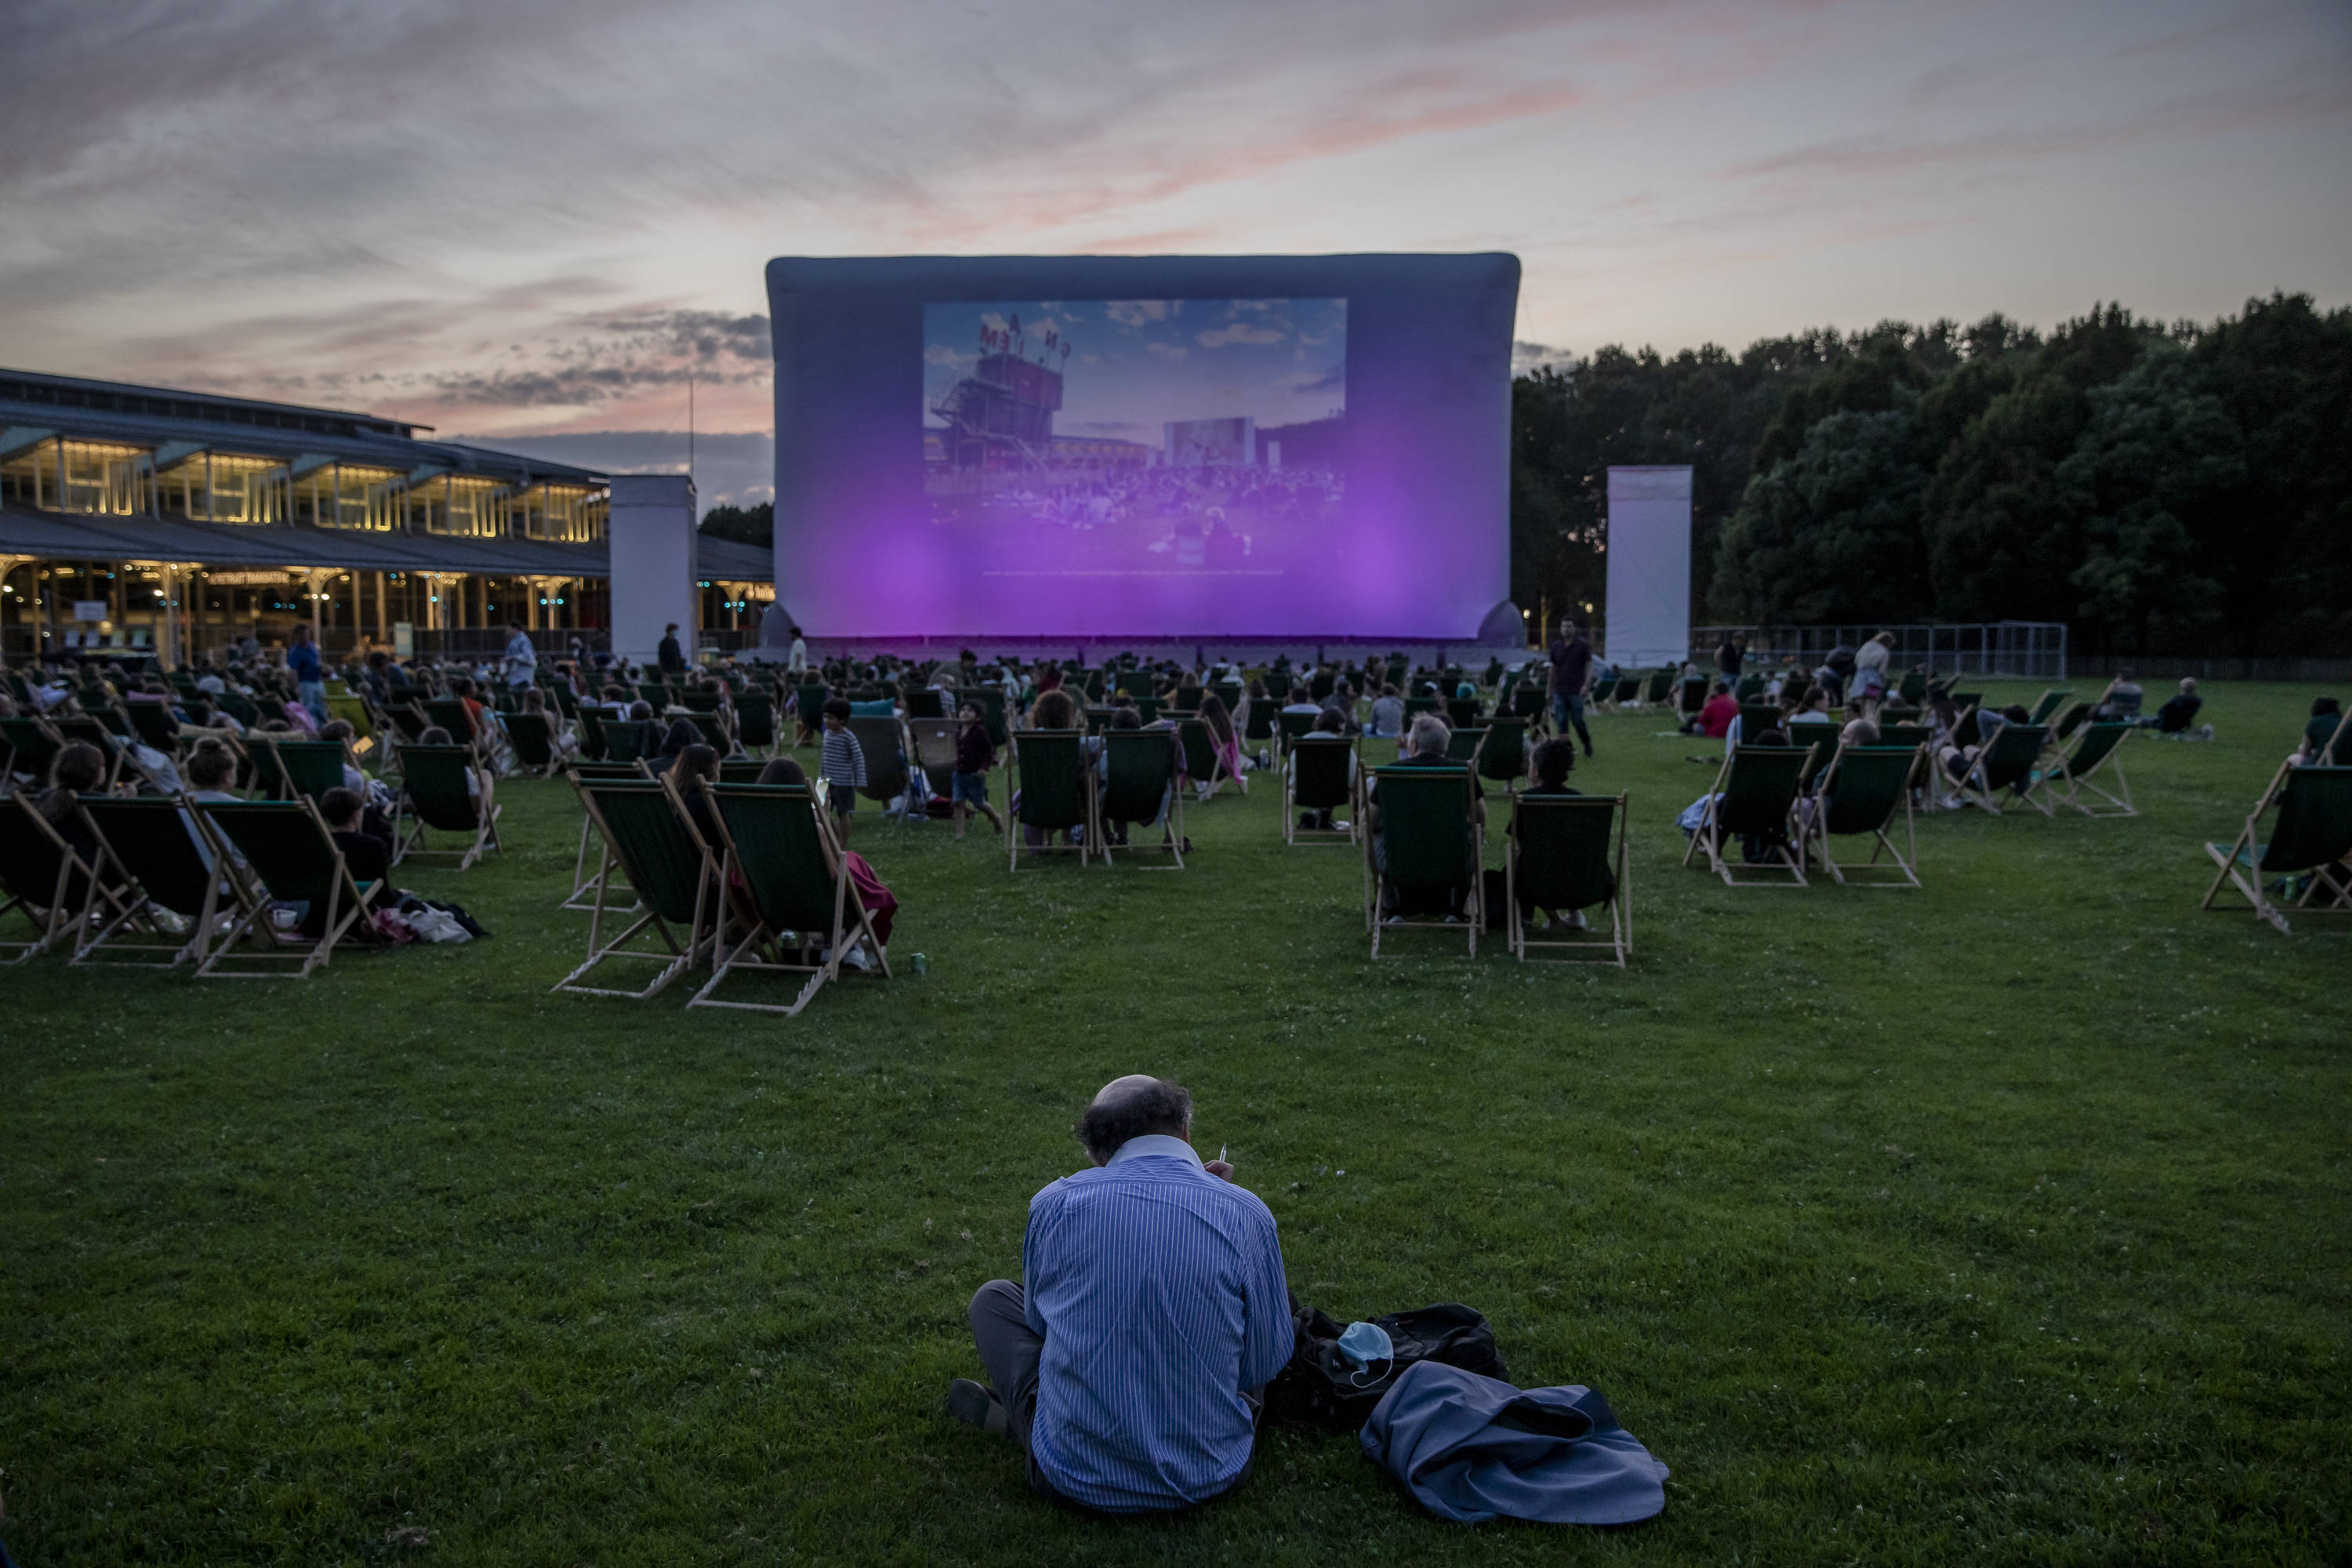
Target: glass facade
(96,479)
(350,496)
(228,486)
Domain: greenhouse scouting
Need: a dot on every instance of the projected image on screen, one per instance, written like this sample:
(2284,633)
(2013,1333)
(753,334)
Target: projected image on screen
(1135,438)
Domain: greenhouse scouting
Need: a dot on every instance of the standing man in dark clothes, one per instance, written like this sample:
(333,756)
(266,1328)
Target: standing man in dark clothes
(1727,658)
(669,655)
(1572,677)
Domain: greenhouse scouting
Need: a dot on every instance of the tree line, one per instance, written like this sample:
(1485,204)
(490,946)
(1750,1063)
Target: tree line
(2175,489)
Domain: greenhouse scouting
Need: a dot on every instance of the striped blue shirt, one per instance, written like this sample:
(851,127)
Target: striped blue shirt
(1158,1288)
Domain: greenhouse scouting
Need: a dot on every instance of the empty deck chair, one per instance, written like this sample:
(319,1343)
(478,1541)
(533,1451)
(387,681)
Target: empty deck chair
(755,723)
(1056,795)
(1503,756)
(292,859)
(669,870)
(584,880)
(1139,789)
(790,886)
(1754,795)
(2309,837)
(1562,858)
(1320,774)
(434,794)
(2093,763)
(1421,863)
(149,849)
(1861,790)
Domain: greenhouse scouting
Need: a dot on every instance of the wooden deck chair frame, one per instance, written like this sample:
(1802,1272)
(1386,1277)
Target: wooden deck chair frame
(1172,827)
(1975,786)
(58,919)
(409,840)
(128,937)
(1594,947)
(2337,753)
(852,927)
(1416,779)
(585,882)
(702,924)
(2068,778)
(2330,891)
(1790,855)
(1091,824)
(347,901)
(1293,834)
(1901,867)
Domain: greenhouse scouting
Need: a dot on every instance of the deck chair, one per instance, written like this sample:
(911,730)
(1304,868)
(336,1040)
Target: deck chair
(2073,717)
(2047,704)
(1755,718)
(291,857)
(452,714)
(1661,685)
(755,723)
(668,867)
(887,765)
(45,879)
(148,849)
(808,711)
(2093,763)
(695,699)
(1754,796)
(2311,836)
(1629,690)
(932,742)
(2337,753)
(585,882)
(927,702)
(1203,762)
(1910,735)
(1320,774)
(1690,695)
(1861,789)
(533,740)
(1139,784)
(1527,701)
(432,794)
(795,885)
(741,770)
(305,768)
(2012,762)
(1461,745)
(34,745)
(1748,689)
(624,740)
(1561,858)
(657,693)
(154,726)
(1429,843)
(1462,712)
(1255,716)
(1292,728)
(1056,795)
(1503,756)
(591,732)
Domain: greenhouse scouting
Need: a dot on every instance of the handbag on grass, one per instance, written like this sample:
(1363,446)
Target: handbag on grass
(1324,1385)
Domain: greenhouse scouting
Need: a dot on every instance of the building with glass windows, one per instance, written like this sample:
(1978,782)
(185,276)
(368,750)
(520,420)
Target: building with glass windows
(147,519)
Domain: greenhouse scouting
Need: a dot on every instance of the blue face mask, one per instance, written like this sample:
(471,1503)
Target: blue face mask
(1366,1347)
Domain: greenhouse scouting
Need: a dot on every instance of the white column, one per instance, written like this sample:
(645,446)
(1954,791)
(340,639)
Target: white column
(653,563)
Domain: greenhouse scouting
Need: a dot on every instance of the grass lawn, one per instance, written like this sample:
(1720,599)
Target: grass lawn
(2005,1220)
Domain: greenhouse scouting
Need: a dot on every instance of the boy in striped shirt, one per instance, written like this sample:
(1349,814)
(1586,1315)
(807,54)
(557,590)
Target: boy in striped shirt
(842,764)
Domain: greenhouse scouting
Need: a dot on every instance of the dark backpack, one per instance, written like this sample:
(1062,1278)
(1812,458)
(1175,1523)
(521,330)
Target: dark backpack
(1319,1387)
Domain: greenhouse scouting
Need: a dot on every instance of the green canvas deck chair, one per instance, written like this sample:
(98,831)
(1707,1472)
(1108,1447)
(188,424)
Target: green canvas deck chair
(795,886)
(741,770)
(1660,686)
(1912,735)
(2070,718)
(1320,774)
(808,711)
(292,859)
(711,725)
(153,724)
(2337,753)
(1561,858)
(1462,712)
(1861,790)
(668,869)
(1690,695)
(1755,718)
(432,794)
(1203,762)
(625,741)
(451,714)
(2311,837)
(1754,796)
(1527,701)
(1056,795)
(533,740)
(1139,790)
(1255,716)
(1817,755)
(755,723)
(1628,689)
(1502,756)
(584,881)
(927,702)
(1427,850)
(695,699)
(292,769)
(172,890)
(1913,689)
(33,747)
(1292,728)
(1461,745)
(2047,704)
(1965,731)
(47,882)
(655,692)
(2011,762)
(1748,688)
(888,753)
(2093,763)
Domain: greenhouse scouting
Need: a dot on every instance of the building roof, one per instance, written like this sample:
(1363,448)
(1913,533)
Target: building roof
(60,536)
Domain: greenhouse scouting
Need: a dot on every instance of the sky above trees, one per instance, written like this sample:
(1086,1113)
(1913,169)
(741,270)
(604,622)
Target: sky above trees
(542,217)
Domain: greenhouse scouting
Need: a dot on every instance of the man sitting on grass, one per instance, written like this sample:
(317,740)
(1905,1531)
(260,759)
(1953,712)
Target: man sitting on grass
(1130,1364)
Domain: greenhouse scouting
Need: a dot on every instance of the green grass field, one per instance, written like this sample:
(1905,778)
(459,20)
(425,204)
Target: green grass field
(2005,1220)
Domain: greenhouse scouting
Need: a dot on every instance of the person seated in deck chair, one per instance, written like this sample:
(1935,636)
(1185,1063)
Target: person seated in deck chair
(77,769)
(366,856)
(1129,1361)
(2326,714)
(2121,699)
(680,734)
(1387,715)
(2179,712)
(1548,766)
(434,735)
(1330,724)
(1425,742)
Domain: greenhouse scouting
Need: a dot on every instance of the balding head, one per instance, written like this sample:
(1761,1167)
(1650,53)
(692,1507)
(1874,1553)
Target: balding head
(1131,1107)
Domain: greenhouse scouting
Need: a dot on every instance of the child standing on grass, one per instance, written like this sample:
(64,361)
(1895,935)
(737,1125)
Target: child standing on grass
(975,754)
(842,764)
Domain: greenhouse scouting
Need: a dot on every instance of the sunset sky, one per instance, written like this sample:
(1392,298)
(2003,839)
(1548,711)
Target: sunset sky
(508,219)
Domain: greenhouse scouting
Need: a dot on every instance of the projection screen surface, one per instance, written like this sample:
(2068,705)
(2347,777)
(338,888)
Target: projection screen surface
(1145,447)
(1649,566)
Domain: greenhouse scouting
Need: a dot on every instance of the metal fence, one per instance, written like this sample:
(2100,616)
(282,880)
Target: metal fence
(2026,650)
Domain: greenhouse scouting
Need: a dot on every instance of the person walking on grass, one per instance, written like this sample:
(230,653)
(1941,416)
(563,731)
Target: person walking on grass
(1129,1363)
(841,764)
(1571,680)
(975,754)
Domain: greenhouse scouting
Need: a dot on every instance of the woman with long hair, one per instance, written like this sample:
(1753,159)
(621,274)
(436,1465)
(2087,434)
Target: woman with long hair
(1224,738)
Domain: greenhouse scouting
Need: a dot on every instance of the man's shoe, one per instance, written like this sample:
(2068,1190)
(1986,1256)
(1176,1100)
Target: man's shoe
(974,1405)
